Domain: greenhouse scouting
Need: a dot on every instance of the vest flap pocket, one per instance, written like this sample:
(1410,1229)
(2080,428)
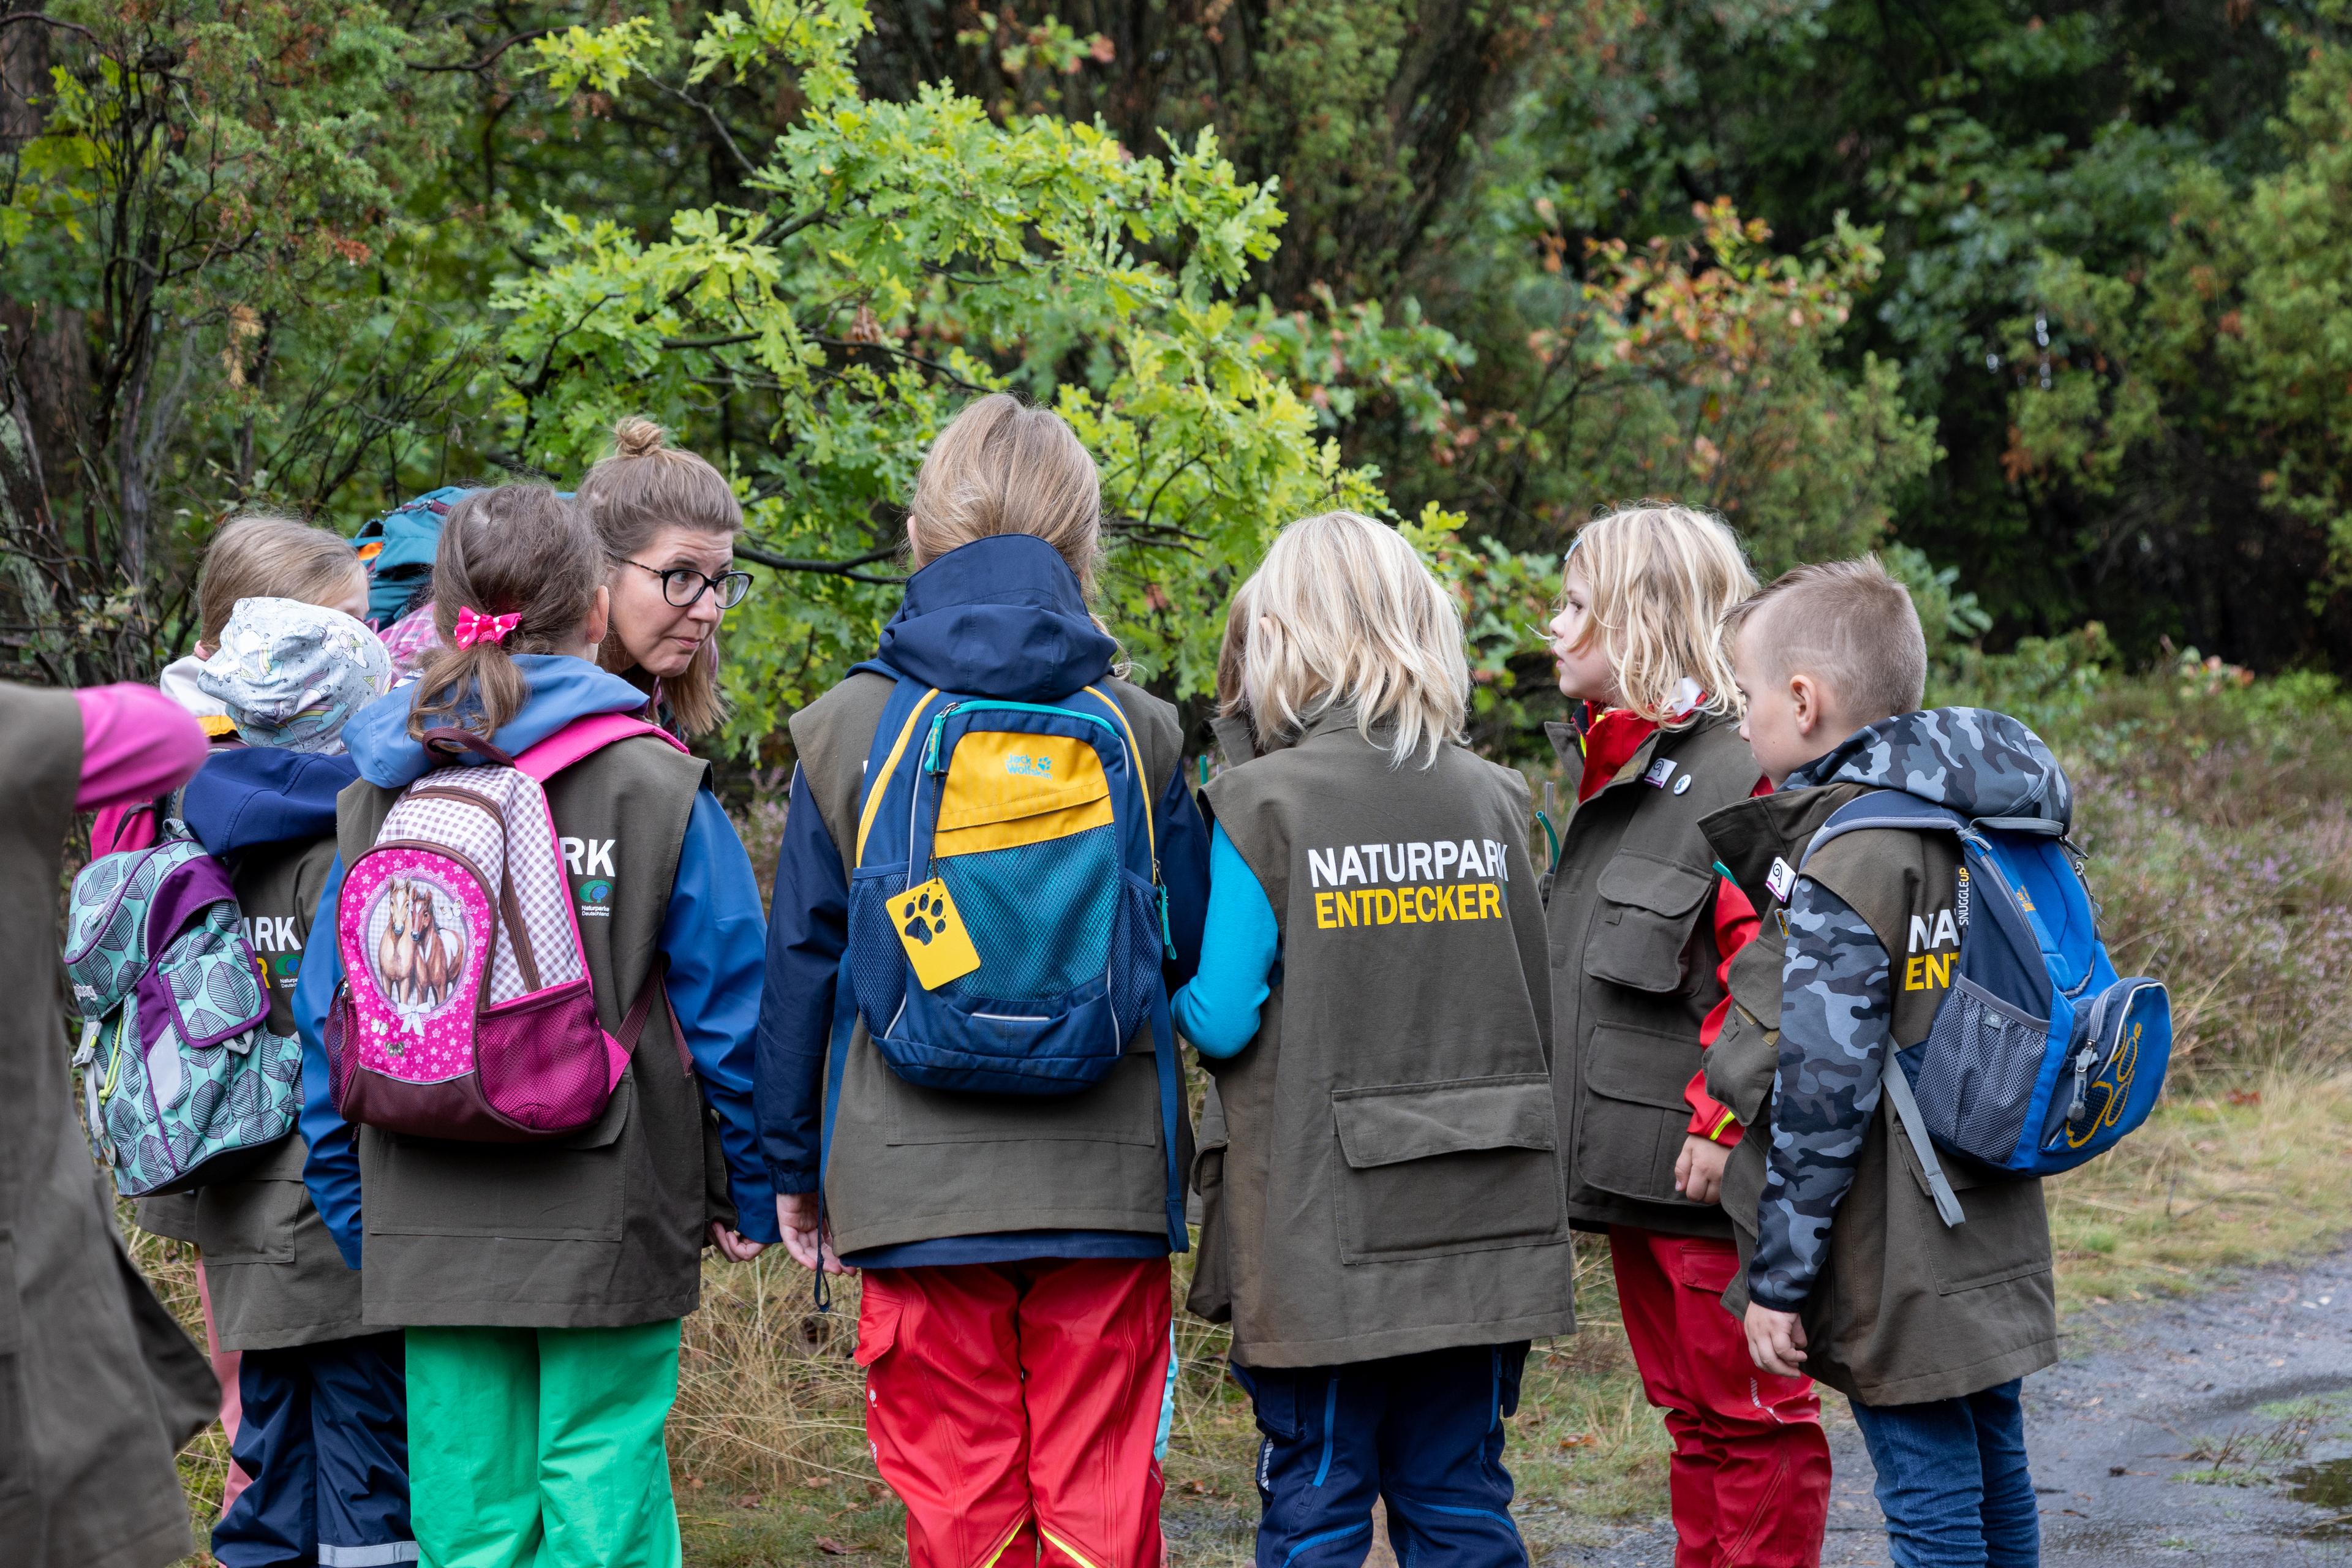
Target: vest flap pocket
(570,1189)
(248,1222)
(1640,940)
(2006,1236)
(1431,1170)
(1389,1125)
(1633,1117)
(1648,1066)
(1741,1065)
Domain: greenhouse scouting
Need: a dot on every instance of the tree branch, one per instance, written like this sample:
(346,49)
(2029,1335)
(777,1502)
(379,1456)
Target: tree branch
(487,61)
(47,21)
(825,568)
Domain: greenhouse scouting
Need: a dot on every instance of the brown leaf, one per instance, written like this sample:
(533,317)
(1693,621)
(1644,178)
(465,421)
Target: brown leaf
(830,1547)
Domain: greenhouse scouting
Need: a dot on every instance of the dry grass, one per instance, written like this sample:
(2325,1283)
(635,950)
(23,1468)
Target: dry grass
(2222,854)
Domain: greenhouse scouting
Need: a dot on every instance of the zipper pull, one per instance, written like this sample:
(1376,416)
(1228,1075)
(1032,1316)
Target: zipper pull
(931,742)
(1167,937)
(2080,1104)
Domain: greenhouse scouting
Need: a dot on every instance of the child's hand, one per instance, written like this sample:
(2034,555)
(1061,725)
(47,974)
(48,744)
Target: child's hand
(735,1249)
(796,1214)
(1699,1172)
(1776,1341)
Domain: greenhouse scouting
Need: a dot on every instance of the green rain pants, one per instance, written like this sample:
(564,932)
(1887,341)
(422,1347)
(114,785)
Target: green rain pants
(543,1447)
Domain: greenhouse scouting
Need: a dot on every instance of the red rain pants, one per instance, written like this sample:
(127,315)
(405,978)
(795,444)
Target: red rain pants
(1750,1476)
(1013,1408)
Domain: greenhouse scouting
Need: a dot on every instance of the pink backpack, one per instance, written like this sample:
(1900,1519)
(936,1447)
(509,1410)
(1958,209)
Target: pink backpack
(466,1009)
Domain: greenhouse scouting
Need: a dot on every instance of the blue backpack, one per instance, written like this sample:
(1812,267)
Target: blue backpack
(1006,919)
(2039,1056)
(397,550)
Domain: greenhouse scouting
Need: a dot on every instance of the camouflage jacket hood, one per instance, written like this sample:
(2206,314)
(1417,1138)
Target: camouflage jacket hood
(1973,759)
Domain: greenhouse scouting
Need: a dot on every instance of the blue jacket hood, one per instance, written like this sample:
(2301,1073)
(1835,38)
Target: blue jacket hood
(244,795)
(1001,616)
(1973,759)
(562,689)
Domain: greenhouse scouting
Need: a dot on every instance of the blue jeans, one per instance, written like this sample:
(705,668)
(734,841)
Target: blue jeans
(1424,1433)
(1953,1482)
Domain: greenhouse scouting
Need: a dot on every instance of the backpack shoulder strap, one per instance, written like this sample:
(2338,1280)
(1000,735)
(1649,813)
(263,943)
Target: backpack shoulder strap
(1884,808)
(584,737)
(1142,780)
(901,716)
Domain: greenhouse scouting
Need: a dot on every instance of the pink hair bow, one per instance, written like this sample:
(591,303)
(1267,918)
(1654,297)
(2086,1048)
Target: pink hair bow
(472,629)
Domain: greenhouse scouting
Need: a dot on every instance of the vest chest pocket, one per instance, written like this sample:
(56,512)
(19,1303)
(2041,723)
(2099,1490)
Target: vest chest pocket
(1430,1169)
(1642,938)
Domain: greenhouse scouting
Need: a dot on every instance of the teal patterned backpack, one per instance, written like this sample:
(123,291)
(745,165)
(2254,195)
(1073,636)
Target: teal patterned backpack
(183,1083)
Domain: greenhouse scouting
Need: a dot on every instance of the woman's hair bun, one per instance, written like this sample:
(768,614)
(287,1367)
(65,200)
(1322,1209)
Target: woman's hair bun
(637,436)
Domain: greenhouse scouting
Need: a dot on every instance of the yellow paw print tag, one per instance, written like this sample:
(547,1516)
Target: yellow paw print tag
(933,934)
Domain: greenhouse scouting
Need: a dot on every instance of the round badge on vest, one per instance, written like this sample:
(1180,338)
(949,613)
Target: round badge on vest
(1682,785)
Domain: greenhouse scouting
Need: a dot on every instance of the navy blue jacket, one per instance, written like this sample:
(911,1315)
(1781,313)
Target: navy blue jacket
(1001,617)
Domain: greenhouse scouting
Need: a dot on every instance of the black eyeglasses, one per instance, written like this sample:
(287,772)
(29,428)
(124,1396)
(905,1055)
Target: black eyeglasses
(683,586)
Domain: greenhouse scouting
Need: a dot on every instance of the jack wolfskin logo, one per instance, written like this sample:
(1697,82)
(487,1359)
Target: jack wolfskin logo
(1038,767)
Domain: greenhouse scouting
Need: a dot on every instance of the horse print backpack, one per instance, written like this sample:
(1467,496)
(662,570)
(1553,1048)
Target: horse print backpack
(466,1009)
(183,1083)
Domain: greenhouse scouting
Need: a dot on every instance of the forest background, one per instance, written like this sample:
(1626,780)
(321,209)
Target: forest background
(2043,299)
(2046,301)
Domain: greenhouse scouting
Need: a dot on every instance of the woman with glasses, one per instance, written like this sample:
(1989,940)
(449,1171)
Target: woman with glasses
(668,521)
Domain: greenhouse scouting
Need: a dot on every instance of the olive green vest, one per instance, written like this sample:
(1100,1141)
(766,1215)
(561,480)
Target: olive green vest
(1906,1309)
(274,1274)
(905,1164)
(602,1229)
(1389,1180)
(1633,965)
(98,1387)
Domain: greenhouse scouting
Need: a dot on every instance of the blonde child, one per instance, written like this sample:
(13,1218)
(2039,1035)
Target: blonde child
(1371,1002)
(1643,933)
(1014,1316)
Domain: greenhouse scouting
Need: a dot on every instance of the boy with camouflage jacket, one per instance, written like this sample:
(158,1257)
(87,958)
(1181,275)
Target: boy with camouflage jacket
(1852,1277)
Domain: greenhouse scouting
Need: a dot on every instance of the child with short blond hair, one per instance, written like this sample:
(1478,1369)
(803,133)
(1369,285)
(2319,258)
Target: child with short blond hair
(1930,1329)
(1643,936)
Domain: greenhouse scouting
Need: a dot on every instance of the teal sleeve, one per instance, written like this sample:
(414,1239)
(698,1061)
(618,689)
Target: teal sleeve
(1218,1012)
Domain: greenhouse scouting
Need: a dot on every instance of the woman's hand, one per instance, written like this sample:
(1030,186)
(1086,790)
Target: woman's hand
(796,1214)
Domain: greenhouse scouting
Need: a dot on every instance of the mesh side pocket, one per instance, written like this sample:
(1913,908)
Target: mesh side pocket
(1975,1075)
(1041,916)
(878,963)
(1135,956)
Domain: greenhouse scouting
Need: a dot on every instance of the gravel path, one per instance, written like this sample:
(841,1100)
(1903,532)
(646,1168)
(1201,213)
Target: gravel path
(2145,1397)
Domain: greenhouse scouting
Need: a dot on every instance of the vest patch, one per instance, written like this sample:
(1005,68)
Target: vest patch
(1780,878)
(1419,883)
(591,859)
(1660,772)
(277,943)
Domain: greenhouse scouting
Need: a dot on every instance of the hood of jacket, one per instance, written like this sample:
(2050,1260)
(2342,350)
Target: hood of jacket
(1001,616)
(561,689)
(1973,759)
(246,795)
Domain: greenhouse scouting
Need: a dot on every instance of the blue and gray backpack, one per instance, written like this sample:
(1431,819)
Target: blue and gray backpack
(2040,1056)
(397,550)
(1006,918)
(182,1082)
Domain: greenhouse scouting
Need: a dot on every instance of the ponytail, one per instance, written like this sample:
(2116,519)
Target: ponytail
(517,549)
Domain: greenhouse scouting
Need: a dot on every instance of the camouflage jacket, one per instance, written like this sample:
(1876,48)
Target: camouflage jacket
(1840,994)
